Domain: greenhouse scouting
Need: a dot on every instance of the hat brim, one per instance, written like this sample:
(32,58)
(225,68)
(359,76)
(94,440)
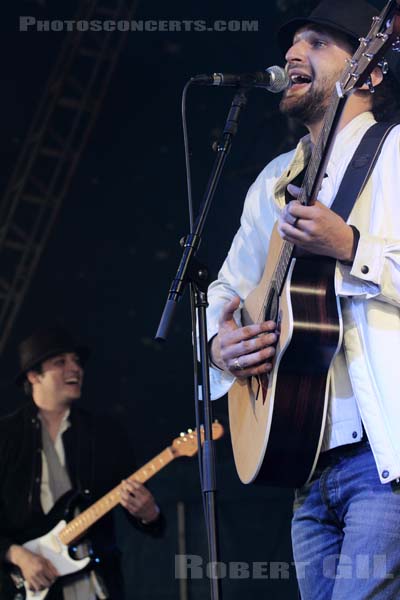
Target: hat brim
(287,31)
(82,351)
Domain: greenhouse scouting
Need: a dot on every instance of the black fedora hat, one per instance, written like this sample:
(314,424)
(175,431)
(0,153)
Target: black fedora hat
(45,343)
(353,18)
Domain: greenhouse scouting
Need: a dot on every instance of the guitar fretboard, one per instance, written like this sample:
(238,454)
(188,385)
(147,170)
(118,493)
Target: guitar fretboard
(87,518)
(312,182)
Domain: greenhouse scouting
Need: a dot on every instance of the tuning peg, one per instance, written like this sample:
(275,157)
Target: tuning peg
(396,45)
(370,85)
(383,64)
(352,62)
(182,434)
(190,430)
(368,55)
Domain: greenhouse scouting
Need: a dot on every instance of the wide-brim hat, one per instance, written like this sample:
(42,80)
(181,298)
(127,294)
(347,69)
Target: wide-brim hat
(45,343)
(353,18)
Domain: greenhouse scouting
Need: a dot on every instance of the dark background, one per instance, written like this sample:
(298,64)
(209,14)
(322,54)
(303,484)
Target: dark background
(114,249)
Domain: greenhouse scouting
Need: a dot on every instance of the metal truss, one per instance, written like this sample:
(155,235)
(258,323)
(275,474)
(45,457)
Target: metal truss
(51,150)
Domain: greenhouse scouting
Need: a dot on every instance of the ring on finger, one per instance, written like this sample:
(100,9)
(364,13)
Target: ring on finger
(236,365)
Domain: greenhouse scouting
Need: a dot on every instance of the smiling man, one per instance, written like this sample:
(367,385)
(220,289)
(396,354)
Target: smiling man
(51,446)
(346,524)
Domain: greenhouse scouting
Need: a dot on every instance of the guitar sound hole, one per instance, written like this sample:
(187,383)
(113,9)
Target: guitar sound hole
(272,306)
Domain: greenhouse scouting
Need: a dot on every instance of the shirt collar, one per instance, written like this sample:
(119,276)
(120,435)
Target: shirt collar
(65,422)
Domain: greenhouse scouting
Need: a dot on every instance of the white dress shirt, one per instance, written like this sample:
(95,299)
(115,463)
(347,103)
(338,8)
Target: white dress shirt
(365,375)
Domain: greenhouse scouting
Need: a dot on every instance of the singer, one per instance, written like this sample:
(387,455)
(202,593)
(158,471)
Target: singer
(346,523)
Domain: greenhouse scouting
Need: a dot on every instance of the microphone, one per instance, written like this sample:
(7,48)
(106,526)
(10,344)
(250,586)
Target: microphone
(274,79)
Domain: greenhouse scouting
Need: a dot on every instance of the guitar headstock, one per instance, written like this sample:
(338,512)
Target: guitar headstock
(385,32)
(186,444)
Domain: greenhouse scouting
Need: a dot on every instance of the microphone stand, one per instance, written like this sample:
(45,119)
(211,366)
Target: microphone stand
(190,271)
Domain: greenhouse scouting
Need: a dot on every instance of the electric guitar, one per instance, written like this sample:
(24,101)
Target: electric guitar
(55,544)
(277,420)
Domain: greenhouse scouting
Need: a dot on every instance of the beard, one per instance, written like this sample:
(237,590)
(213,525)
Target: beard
(309,107)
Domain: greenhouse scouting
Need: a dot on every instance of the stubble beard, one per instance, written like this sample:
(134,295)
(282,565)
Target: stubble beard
(310,107)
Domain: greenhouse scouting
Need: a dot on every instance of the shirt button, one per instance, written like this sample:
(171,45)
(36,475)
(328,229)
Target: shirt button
(364,269)
(354,434)
(385,474)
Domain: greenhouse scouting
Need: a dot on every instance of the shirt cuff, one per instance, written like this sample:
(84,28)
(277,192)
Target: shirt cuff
(368,261)
(220,383)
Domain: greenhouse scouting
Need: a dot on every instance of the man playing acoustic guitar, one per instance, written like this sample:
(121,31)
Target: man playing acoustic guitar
(346,524)
(50,446)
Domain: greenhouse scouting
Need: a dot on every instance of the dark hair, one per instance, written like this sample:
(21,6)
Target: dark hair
(385,100)
(27,384)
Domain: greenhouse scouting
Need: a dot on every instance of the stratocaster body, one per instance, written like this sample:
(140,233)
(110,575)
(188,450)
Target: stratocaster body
(47,542)
(277,421)
(51,547)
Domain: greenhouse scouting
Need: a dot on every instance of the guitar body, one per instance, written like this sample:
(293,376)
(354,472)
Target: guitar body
(47,544)
(277,421)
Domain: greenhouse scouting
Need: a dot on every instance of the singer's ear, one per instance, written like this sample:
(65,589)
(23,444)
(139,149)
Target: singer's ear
(376,78)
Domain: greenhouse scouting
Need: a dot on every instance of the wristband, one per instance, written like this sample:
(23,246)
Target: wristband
(356,239)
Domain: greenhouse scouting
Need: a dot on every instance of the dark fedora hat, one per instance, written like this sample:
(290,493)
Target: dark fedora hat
(45,343)
(351,17)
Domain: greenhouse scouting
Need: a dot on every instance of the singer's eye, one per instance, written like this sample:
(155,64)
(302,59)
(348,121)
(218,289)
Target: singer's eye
(319,43)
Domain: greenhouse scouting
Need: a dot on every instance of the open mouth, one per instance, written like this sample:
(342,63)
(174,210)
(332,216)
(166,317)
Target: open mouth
(72,382)
(299,80)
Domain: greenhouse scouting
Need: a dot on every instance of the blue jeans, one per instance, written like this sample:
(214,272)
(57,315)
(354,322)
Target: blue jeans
(346,530)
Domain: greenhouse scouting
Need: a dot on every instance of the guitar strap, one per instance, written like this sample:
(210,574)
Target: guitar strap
(360,168)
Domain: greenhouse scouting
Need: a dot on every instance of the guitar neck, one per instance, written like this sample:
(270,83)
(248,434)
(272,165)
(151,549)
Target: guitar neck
(312,182)
(320,156)
(87,518)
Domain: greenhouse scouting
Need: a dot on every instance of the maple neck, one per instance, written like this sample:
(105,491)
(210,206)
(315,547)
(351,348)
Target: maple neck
(87,518)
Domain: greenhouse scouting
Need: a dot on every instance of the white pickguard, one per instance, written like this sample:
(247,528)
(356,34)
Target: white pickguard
(56,552)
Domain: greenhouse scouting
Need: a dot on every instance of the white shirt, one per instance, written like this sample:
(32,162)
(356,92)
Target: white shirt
(365,377)
(46,497)
(83,587)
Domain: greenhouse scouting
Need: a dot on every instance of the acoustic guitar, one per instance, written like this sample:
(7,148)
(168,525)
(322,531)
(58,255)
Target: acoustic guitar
(277,420)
